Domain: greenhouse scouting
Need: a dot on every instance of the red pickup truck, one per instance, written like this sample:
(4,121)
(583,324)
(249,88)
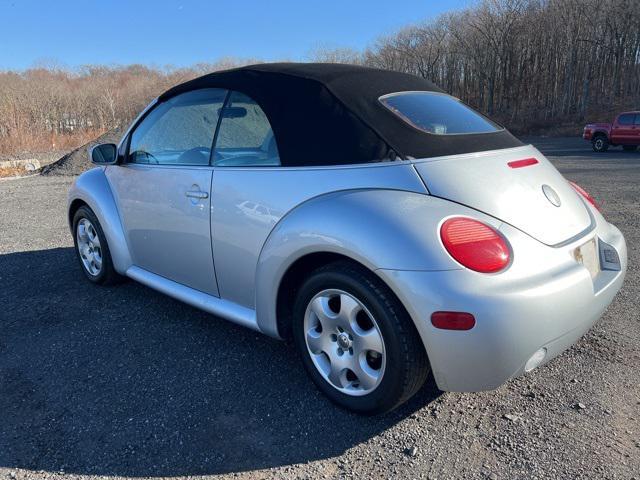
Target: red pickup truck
(625,131)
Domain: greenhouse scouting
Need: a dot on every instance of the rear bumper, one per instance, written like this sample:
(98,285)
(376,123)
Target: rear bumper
(545,299)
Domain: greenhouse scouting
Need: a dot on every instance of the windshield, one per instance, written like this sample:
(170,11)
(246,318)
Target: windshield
(437,113)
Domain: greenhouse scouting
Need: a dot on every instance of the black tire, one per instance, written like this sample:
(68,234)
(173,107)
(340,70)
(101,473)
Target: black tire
(600,143)
(107,274)
(407,365)
(629,148)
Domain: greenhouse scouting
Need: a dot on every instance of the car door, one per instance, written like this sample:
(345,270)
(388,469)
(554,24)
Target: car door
(623,130)
(163,189)
(636,130)
(245,152)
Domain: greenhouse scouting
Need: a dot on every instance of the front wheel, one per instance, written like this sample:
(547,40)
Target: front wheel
(629,148)
(92,248)
(600,144)
(357,342)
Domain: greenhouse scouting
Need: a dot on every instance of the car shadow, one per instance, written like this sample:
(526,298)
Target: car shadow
(125,381)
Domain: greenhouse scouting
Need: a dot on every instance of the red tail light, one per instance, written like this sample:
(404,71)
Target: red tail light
(475,245)
(453,320)
(585,194)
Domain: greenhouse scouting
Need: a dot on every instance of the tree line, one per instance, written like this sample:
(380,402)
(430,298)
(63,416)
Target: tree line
(50,108)
(530,64)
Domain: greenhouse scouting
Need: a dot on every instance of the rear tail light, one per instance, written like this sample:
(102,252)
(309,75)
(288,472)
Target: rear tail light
(453,320)
(475,245)
(585,194)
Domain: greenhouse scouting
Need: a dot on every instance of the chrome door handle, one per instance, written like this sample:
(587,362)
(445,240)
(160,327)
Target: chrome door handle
(197,194)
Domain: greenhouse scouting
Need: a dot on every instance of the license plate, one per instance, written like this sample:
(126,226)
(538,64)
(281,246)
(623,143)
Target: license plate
(587,255)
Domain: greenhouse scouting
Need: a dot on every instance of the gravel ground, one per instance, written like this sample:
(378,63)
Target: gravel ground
(124,381)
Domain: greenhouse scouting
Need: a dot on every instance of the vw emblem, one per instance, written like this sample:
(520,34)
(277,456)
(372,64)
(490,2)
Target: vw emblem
(551,195)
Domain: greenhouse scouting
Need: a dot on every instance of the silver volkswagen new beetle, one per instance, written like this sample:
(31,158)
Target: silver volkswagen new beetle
(382,225)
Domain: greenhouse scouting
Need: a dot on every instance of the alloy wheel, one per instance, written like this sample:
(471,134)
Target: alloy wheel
(89,247)
(344,342)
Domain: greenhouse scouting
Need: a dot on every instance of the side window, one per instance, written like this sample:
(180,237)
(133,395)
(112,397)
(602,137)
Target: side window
(626,119)
(179,131)
(245,137)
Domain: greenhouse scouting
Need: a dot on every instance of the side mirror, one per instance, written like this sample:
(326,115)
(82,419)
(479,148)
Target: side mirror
(104,154)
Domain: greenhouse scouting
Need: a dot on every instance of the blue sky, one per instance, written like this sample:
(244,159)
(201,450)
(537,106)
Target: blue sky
(183,32)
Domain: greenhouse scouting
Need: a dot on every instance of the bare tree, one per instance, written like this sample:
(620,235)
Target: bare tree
(529,63)
(48,107)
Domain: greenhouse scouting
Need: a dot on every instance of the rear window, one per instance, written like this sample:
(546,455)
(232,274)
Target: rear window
(437,113)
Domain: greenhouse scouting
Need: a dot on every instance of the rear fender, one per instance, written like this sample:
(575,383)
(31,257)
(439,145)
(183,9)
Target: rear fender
(381,229)
(92,188)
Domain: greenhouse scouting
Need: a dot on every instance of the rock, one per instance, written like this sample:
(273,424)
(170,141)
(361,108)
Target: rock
(493,476)
(412,452)
(579,406)
(511,417)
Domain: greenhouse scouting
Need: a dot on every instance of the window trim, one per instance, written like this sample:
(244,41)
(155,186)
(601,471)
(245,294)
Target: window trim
(499,128)
(150,108)
(218,123)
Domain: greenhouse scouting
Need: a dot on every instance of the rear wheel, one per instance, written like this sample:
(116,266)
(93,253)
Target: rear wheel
(92,248)
(356,340)
(629,148)
(600,143)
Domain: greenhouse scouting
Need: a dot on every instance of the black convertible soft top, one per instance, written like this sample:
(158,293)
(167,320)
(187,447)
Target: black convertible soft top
(329,114)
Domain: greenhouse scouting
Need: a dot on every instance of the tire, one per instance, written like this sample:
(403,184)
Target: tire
(629,148)
(93,243)
(387,378)
(600,143)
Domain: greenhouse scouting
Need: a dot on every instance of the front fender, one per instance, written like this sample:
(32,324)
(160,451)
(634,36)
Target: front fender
(381,229)
(92,187)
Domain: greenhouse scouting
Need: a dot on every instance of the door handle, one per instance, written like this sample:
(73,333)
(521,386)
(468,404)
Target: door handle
(197,194)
